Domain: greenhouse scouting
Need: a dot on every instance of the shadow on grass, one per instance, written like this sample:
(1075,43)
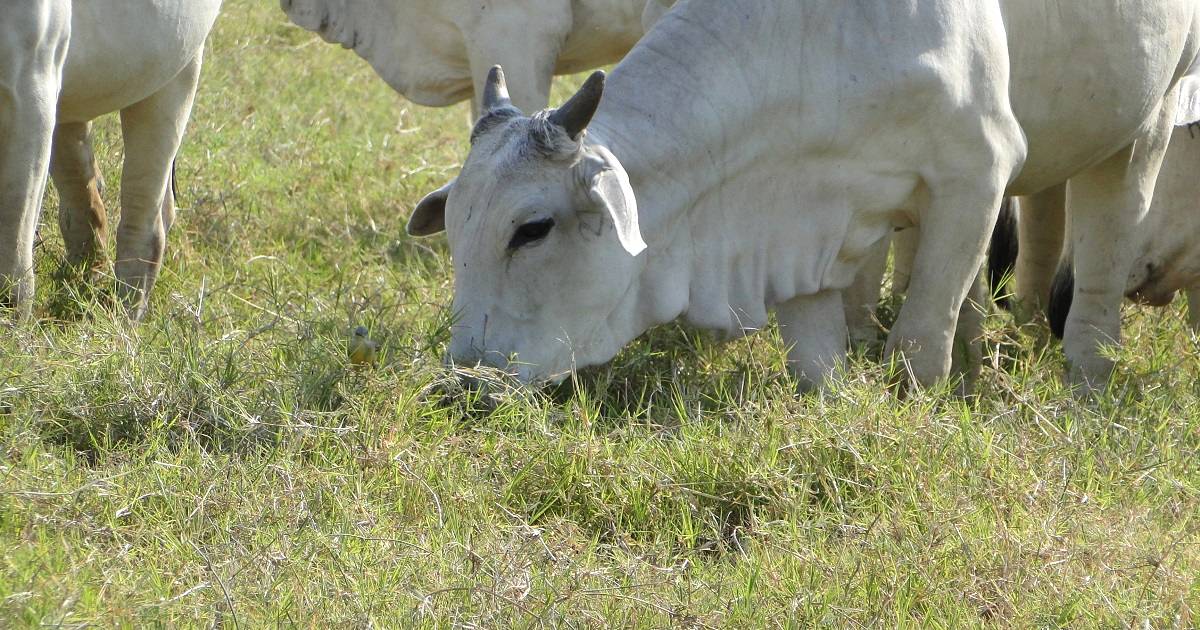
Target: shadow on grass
(697,498)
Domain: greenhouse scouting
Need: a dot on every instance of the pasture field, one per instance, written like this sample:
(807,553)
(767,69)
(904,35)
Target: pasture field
(222,464)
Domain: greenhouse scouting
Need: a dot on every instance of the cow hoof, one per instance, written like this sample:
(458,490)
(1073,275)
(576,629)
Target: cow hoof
(1088,381)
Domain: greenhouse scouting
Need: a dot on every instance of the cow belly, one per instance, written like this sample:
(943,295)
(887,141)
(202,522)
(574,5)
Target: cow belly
(122,51)
(1088,77)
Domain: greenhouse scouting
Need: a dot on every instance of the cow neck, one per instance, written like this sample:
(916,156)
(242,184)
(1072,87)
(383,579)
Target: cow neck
(659,292)
(665,122)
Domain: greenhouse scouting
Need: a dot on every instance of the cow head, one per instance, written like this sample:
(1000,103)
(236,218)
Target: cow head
(1169,255)
(1169,261)
(543,231)
(310,14)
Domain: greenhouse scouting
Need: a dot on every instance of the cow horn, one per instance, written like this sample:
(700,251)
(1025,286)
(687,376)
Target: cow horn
(495,91)
(577,112)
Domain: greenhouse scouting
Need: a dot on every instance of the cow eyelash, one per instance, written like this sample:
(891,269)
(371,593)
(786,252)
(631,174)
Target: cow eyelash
(531,232)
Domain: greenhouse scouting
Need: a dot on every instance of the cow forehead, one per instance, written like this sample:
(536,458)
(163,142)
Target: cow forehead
(488,199)
(520,140)
(508,169)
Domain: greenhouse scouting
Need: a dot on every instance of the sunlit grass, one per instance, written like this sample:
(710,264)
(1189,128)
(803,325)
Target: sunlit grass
(222,463)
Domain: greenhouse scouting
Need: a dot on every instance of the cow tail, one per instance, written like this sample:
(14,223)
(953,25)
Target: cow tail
(1002,254)
(1062,292)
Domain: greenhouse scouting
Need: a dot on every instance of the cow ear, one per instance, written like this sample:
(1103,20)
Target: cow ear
(608,186)
(430,216)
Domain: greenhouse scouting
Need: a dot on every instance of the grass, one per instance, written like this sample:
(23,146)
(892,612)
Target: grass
(222,464)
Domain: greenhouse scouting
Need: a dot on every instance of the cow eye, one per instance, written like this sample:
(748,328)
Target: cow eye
(531,232)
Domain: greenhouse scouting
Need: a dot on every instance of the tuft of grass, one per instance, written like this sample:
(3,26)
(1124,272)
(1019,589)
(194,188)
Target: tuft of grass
(223,464)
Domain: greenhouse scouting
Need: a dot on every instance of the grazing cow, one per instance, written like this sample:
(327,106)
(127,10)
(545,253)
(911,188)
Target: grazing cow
(62,64)
(437,52)
(1168,253)
(1042,228)
(749,154)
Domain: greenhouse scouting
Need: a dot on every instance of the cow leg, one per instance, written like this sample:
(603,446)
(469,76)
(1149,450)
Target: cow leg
(654,11)
(1110,200)
(168,204)
(1041,228)
(152,129)
(813,328)
(1193,300)
(862,298)
(527,77)
(526,48)
(967,358)
(904,250)
(81,214)
(954,230)
(26,129)
(33,46)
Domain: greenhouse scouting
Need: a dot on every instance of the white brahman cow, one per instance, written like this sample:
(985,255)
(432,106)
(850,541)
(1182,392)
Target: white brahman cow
(1043,224)
(438,52)
(1168,243)
(748,154)
(62,64)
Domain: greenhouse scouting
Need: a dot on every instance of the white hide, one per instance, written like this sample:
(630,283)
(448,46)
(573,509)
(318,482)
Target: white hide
(62,64)
(1189,96)
(1168,244)
(1168,257)
(437,52)
(772,144)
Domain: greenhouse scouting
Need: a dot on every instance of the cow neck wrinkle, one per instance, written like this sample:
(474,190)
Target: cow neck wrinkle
(659,294)
(670,119)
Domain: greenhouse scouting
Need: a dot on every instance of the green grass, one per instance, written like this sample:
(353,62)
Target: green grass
(222,464)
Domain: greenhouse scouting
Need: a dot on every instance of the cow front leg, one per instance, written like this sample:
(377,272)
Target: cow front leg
(653,12)
(967,357)
(862,298)
(526,45)
(1108,202)
(81,213)
(954,229)
(152,130)
(1041,227)
(30,77)
(813,328)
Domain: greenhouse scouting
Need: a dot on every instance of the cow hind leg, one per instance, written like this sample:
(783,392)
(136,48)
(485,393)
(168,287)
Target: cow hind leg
(152,129)
(904,250)
(24,157)
(1193,306)
(1109,201)
(813,328)
(1041,230)
(862,298)
(81,213)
